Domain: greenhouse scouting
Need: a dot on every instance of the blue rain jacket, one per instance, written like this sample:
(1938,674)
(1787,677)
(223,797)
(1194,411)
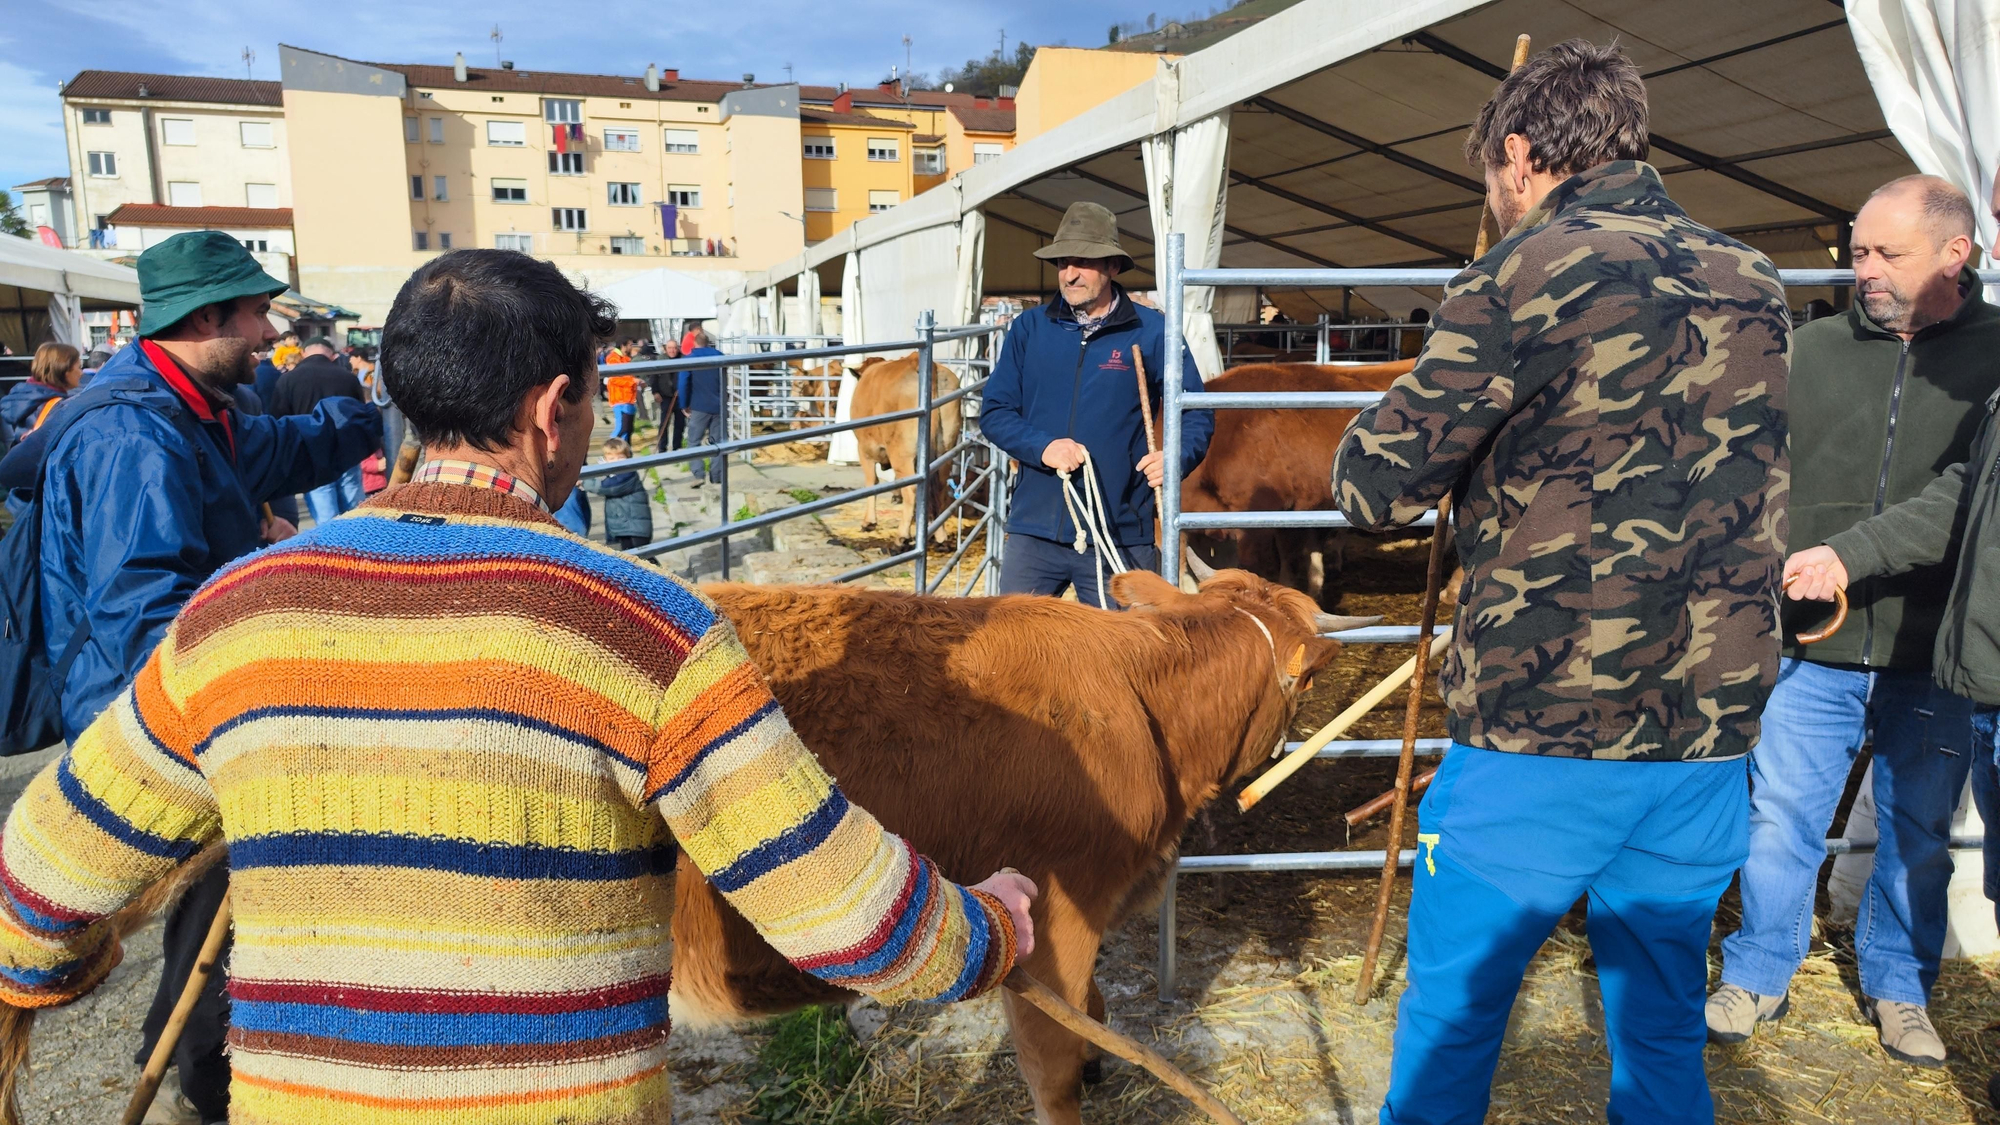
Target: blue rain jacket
(1049,382)
(143,503)
(20,406)
(701,388)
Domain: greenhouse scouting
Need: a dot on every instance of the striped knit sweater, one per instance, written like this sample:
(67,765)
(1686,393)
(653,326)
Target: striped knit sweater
(451,748)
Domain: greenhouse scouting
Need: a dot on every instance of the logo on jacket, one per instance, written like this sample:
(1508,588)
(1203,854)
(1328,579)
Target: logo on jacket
(1116,362)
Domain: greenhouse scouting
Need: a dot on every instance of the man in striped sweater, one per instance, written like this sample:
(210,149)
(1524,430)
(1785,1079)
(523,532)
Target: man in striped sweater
(451,749)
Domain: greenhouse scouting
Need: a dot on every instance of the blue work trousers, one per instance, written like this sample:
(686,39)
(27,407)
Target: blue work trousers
(1032,565)
(1814,725)
(1507,843)
(1986,792)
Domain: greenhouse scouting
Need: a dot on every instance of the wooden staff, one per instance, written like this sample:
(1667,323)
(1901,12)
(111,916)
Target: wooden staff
(170,1035)
(1489,227)
(1131,1050)
(1406,762)
(1152,442)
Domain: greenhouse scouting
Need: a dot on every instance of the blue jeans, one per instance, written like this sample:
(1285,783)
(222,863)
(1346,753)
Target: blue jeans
(1032,565)
(1814,725)
(1986,792)
(1506,845)
(622,416)
(705,429)
(330,500)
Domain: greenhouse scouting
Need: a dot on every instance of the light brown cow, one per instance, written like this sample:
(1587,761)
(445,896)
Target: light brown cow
(889,385)
(1067,742)
(1278,460)
(815,389)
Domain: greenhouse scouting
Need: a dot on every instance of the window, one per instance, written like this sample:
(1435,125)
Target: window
(183,193)
(559,111)
(684,195)
(928,161)
(97,117)
(819,148)
(38,214)
(104,164)
(437,130)
(416,187)
(420,240)
(177,130)
(257,245)
(565,164)
(410,130)
(981,153)
(632,245)
(440,188)
(882,148)
(510,191)
(880,201)
(256,134)
(621,140)
(683,140)
(260,195)
(444,240)
(569,218)
(624,195)
(525,243)
(507,134)
(822,199)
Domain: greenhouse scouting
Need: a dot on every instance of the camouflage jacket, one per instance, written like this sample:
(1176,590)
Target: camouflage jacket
(1603,395)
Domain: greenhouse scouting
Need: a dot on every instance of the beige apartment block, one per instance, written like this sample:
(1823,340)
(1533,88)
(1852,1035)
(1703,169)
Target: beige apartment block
(171,141)
(1063,82)
(954,130)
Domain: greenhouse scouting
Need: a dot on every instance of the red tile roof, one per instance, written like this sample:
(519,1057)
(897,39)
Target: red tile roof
(829,117)
(53,183)
(984,120)
(928,138)
(173,88)
(201,218)
(540,82)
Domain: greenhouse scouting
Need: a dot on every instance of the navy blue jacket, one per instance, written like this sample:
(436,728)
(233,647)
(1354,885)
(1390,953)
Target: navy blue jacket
(266,380)
(139,509)
(701,388)
(1050,383)
(19,407)
(628,509)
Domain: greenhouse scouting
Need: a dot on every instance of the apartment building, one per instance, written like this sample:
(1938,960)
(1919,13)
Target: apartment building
(853,165)
(953,131)
(173,141)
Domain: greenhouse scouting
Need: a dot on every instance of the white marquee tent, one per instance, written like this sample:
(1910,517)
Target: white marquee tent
(51,287)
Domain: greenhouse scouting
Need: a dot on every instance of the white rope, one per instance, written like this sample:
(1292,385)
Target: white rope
(1091,518)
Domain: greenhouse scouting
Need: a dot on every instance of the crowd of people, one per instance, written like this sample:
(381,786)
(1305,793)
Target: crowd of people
(452,748)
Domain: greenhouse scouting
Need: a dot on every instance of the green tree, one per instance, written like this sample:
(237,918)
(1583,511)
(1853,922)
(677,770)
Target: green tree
(11,221)
(984,77)
(1114,34)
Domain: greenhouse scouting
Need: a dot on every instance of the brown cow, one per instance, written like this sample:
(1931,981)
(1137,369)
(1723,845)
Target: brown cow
(886,386)
(1278,460)
(1056,738)
(815,389)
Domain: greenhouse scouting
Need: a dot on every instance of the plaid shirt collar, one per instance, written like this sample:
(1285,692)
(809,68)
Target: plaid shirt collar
(448,471)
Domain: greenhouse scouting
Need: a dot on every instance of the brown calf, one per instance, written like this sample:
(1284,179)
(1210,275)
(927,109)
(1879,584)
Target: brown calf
(1278,460)
(889,385)
(1067,742)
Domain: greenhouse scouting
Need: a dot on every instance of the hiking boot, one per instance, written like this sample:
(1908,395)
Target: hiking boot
(1733,1013)
(1907,1033)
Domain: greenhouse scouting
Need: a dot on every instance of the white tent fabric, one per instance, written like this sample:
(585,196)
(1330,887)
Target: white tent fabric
(1185,170)
(966,287)
(1935,67)
(661,294)
(904,276)
(843,449)
(32,265)
(809,324)
(66,320)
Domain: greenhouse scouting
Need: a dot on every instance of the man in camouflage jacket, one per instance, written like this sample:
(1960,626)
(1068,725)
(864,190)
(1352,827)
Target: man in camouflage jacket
(1603,397)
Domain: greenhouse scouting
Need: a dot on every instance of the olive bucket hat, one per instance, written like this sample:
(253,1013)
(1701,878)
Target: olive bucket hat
(194,269)
(1088,230)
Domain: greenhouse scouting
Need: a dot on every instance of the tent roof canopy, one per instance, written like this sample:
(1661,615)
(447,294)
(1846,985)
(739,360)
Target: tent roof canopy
(31,265)
(1348,120)
(661,294)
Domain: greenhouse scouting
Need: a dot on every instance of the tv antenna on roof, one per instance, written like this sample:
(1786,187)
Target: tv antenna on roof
(906,66)
(496,37)
(788,74)
(249,60)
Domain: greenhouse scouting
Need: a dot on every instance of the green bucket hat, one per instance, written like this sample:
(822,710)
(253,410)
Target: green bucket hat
(1088,230)
(194,269)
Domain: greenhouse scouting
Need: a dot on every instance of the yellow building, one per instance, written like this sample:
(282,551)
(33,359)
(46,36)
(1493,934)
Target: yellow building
(604,175)
(954,131)
(853,165)
(1063,82)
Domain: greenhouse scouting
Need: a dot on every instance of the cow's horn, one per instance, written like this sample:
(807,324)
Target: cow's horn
(1202,571)
(1334,623)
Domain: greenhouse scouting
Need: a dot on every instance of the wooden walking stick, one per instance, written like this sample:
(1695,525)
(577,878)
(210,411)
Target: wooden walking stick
(170,1035)
(1152,445)
(1433,579)
(1489,227)
(1131,1050)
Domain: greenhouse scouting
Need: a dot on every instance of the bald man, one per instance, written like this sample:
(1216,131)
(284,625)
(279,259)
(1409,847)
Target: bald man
(1882,400)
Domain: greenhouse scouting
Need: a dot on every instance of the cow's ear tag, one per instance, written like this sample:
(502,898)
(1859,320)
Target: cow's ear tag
(1296,662)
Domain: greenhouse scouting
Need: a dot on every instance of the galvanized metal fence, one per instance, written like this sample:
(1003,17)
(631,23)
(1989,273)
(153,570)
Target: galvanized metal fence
(1174,280)
(977,480)
(1329,340)
(774,391)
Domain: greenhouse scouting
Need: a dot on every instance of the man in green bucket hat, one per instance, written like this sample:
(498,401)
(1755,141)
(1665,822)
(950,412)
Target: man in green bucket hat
(150,480)
(1064,399)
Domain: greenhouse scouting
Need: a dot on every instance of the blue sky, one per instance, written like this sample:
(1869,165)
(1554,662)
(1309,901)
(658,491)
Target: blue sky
(42,43)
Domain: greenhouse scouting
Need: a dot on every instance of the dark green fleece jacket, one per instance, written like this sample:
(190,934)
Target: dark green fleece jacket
(1873,421)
